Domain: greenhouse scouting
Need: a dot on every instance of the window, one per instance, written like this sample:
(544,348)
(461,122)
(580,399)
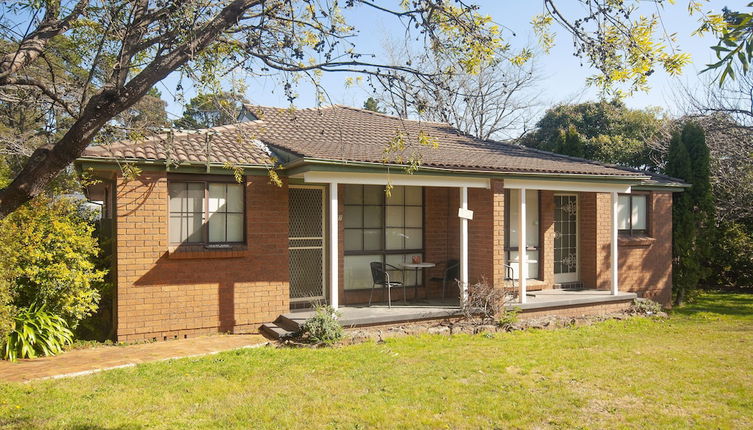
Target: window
(206,212)
(632,213)
(381,228)
(512,250)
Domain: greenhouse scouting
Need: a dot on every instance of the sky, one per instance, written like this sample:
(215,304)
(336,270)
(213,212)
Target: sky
(563,77)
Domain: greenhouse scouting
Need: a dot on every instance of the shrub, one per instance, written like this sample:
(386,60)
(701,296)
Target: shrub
(49,252)
(507,318)
(645,307)
(36,332)
(6,309)
(323,327)
(484,302)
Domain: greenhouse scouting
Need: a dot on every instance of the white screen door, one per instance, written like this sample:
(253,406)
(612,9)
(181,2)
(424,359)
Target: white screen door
(306,243)
(565,238)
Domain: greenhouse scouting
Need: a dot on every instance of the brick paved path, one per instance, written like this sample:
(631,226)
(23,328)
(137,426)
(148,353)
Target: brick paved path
(85,361)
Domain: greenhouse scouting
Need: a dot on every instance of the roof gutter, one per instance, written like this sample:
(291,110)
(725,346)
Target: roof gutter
(163,163)
(301,162)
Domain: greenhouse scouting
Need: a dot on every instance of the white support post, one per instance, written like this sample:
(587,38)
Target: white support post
(464,244)
(614,256)
(334,254)
(522,260)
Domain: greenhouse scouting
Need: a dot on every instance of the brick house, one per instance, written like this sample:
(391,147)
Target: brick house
(227,228)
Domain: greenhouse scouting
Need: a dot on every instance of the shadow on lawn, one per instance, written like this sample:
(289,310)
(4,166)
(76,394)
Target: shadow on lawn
(738,304)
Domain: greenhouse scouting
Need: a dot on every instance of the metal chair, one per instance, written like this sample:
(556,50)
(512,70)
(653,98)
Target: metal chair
(451,273)
(381,276)
(510,276)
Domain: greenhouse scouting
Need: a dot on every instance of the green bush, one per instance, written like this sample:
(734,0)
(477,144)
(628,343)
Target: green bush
(323,327)
(732,260)
(6,309)
(36,332)
(645,307)
(49,253)
(508,317)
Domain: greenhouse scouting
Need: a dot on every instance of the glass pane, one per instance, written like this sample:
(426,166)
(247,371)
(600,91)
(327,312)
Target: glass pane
(353,216)
(354,240)
(413,238)
(358,272)
(533,264)
(177,192)
(395,238)
(354,194)
(193,228)
(235,228)
(373,194)
(235,198)
(175,229)
(413,196)
(514,211)
(217,200)
(372,216)
(532,218)
(639,212)
(217,227)
(395,216)
(413,216)
(623,212)
(397,196)
(372,239)
(195,197)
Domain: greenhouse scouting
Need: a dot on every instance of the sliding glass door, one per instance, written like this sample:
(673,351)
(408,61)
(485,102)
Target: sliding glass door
(382,228)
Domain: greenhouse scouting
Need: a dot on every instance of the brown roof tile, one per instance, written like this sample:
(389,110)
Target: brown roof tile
(236,143)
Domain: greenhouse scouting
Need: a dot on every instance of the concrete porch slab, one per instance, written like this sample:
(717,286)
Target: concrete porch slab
(377,314)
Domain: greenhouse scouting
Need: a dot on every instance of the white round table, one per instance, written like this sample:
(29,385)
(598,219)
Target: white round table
(417,267)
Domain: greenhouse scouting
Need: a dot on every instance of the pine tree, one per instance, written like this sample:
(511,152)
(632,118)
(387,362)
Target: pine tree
(692,210)
(372,105)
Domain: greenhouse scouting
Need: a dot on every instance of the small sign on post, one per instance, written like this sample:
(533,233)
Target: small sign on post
(465,213)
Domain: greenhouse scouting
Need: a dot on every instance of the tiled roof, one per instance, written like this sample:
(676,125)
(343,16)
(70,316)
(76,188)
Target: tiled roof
(350,134)
(236,143)
(343,133)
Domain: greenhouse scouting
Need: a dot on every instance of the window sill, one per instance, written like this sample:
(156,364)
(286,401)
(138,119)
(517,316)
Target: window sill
(627,240)
(185,252)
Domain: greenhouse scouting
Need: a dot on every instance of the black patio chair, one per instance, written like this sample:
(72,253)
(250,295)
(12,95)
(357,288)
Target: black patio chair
(380,275)
(451,273)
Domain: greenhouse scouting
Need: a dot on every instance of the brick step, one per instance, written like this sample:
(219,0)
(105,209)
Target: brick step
(289,322)
(274,332)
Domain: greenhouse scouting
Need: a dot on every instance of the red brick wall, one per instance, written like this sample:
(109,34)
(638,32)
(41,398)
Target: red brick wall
(546,238)
(163,295)
(646,263)
(595,229)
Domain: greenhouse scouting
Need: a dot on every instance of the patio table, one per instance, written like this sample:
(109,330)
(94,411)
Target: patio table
(417,267)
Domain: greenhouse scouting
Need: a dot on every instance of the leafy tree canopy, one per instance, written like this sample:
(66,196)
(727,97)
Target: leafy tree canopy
(125,47)
(603,131)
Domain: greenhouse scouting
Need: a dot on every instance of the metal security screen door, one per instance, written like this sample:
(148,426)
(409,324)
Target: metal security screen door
(565,238)
(306,243)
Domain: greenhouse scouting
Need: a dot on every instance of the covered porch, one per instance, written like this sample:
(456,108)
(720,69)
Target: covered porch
(465,227)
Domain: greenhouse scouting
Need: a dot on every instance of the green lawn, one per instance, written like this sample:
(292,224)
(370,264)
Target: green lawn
(693,370)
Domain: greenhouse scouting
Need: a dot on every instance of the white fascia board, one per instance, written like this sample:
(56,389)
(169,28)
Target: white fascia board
(566,185)
(321,177)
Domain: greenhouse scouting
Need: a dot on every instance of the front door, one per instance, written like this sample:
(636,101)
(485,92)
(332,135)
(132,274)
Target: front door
(306,243)
(565,238)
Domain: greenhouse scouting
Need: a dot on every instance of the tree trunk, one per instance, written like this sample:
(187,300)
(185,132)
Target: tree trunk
(48,161)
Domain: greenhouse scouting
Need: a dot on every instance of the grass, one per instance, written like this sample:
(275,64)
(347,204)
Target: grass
(693,370)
